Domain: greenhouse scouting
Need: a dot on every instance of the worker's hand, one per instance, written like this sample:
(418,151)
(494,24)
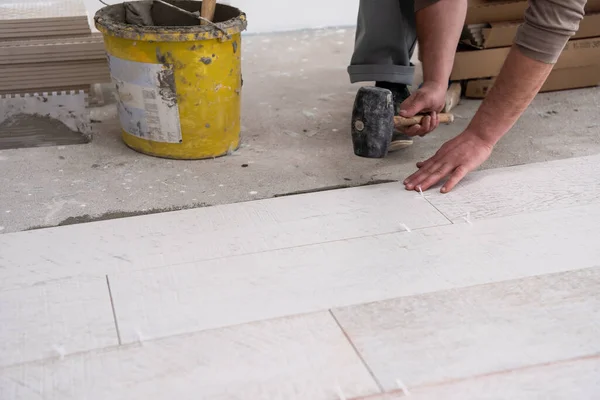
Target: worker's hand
(430,99)
(455,158)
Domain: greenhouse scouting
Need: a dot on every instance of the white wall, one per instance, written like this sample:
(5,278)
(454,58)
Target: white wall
(280,15)
(286,15)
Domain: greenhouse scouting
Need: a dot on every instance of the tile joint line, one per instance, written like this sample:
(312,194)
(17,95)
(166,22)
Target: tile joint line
(438,210)
(360,357)
(112,305)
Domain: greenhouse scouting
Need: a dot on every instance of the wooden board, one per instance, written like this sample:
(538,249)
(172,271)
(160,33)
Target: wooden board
(48,50)
(522,189)
(42,19)
(476,331)
(46,91)
(55,67)
(36,11)
(304,357)
(55,319)
(575,379)
(150,241)
(183,298)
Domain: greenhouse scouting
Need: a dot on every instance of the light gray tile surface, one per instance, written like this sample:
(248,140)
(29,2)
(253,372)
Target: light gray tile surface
(457,334)
(304,357)
(208,233)
(204,295)
(522,189)
(55,319)
(574,379)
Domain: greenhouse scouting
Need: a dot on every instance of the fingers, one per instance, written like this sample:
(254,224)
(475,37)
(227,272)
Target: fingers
(435,120)
(413,130)
(430,176)
(428,124)
(459,173)
(414,104)
(420,129)
(428,166)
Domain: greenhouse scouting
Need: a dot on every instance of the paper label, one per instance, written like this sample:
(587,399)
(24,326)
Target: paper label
(147,100)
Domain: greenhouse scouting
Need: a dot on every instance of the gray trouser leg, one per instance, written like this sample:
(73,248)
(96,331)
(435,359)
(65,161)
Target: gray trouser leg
(385,40)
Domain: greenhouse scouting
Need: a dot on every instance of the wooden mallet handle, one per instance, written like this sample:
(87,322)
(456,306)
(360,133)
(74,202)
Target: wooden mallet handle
(401,121)
(208,10)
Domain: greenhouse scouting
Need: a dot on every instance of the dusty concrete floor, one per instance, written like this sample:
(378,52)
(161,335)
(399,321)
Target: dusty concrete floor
(296,110)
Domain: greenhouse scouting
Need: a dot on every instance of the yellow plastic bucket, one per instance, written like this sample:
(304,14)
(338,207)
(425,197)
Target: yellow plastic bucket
(178,87)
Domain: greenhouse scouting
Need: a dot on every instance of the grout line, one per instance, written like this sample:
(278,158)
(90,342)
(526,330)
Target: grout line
(374,235)
(362,360)
(112,304)
(438,210)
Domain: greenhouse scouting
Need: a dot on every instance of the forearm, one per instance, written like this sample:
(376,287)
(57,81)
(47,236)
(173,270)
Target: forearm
(439,26)
(516,86)
(538,45)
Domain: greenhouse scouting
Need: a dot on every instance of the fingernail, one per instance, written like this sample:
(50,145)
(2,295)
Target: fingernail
(444,190)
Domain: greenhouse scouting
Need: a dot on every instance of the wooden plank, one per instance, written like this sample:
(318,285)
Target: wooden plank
(47,90)
(48,9)
(576,379)
(40,32)
(91,39)
(52,35)
(100,70)
(51,66)
(209,233)
(64,81)
(35,59)
(457,334)
(44,50)
(522,189)
(52,23)
(234,290)
(55,319)
(305,357)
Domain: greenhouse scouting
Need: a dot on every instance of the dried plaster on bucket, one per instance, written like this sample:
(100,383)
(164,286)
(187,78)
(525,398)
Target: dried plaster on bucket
(178,82)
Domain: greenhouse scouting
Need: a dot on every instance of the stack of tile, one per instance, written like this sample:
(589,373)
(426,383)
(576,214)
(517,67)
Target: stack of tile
(489,33)
(22,19)
(48,46)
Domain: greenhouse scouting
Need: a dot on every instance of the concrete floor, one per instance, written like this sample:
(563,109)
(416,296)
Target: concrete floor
(296,110)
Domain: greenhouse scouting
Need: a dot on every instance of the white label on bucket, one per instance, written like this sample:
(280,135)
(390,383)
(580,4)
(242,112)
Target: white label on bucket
(147,101)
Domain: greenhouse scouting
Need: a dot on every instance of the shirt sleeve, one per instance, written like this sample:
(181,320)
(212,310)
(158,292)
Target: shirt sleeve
(548,25)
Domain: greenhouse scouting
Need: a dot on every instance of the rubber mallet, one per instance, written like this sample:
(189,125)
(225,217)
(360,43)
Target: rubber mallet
(374,122)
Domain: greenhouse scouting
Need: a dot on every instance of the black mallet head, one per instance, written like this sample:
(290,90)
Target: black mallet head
(372,122)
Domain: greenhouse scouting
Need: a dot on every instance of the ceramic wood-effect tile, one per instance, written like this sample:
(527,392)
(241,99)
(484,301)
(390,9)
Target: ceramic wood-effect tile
(54,320)
(522,189)
(204,295)
(462,333)
(576,379)
(209,233)
(11,10)
(305,357)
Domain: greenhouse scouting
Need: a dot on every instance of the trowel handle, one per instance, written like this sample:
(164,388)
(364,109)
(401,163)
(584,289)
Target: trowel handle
(208,10)
(401,121)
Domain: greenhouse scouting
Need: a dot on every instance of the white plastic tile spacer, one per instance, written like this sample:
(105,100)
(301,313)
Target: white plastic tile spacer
(402,387)
(340,393)
(467,218)
(138,334)
(60,351)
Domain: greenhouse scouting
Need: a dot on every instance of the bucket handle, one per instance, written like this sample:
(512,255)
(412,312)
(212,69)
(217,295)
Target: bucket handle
(191,14)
